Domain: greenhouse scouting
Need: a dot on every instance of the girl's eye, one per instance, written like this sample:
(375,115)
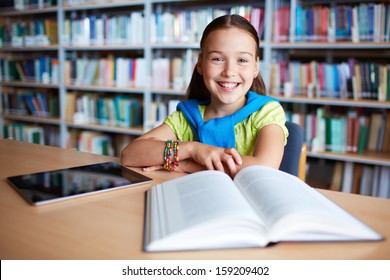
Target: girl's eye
(217,59)
(242,60)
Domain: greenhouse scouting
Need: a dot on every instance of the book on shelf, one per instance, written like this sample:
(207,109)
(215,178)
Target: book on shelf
(362,179)
(95,142)
(32,4)
(366,181)
(357,178)
(107,71)
(375,181)
(375,133)
(356,131)
(120,111)
(262,205)
(22,132)
(29,102)
(34,134)
(346,80)
(360,22)
(386,133)
(384,182)
(374,184)
(189,23)
(104,29)
(337,177)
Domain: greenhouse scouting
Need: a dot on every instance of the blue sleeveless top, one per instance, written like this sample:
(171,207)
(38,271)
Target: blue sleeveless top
(220,131)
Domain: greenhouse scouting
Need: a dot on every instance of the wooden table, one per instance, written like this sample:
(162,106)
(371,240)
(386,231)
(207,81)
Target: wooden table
(110,225)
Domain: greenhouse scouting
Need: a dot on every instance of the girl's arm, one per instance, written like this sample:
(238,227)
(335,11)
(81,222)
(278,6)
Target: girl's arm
(147,150)
(269,148)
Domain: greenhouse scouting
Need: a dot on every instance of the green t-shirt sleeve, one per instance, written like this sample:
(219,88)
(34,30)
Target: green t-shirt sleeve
(178,123)
(271,113)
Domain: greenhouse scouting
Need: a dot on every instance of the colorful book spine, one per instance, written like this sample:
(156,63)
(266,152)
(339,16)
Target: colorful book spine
(349,80)
(363,22)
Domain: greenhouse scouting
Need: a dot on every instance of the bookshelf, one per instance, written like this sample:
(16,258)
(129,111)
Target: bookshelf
(315,74)
(160,40)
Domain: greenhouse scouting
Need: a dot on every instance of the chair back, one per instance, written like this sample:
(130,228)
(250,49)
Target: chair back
(292,151)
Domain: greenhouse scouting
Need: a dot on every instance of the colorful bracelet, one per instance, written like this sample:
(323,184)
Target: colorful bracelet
(175,162)
(171,148)
(167,155)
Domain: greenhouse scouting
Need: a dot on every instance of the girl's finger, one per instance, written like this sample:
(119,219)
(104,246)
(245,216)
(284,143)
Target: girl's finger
(231,166)
(152,168)
(234,153)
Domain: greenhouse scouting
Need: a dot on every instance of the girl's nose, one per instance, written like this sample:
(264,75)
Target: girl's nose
(229,70)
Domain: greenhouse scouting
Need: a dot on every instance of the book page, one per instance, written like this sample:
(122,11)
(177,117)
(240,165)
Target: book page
(201,210)
(296,211)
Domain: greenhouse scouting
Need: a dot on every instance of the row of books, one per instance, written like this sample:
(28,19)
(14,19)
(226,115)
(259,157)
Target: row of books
(373,180)
(189,24)
(33,4)
(22,132)
(129,29)
(38,134)
(87,141)
(42,69)
(174,73)
(349,177)
(104,29)
(90,108)
(36,32)
(97,142)
(351,79)
(166,73)
(106,71)
(79,2)
(159,110)
(363,22)
(353,132)
(28,102)
(110,71)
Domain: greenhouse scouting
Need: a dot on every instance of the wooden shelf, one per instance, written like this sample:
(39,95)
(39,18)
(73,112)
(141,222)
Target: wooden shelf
(336,101)
(328,45)
(29,48)
(30,11)
(107,128)
(100,5)
(28,84)
(374,158)
(105,88)
(32,119)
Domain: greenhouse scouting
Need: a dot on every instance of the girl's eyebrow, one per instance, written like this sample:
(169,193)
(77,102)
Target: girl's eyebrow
(220,52)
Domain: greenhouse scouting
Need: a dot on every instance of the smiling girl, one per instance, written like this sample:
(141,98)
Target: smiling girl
(227,122)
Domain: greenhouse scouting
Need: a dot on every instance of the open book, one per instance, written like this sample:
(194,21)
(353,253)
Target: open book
(207,210)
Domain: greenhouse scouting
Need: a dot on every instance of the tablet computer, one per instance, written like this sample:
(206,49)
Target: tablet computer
(50,186)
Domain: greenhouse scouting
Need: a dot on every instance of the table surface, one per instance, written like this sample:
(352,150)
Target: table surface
(110,225)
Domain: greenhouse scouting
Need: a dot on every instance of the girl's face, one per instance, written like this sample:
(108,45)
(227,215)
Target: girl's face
(228,64)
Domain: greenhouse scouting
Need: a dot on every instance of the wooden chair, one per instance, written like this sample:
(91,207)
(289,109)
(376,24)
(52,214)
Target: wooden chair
(294,158)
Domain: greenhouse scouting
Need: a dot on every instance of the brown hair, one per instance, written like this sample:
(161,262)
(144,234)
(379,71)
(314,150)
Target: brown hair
(197,89)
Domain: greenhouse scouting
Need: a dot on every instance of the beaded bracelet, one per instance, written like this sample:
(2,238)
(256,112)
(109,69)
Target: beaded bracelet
(175,162)
(171,147)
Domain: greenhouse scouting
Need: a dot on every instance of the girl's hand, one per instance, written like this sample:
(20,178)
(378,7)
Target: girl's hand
(206,157)
(215,158)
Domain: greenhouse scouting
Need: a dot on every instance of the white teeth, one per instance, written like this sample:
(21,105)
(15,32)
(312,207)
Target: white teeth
(228,85)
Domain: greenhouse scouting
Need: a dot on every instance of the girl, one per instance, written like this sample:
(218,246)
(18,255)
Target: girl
(227,122)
